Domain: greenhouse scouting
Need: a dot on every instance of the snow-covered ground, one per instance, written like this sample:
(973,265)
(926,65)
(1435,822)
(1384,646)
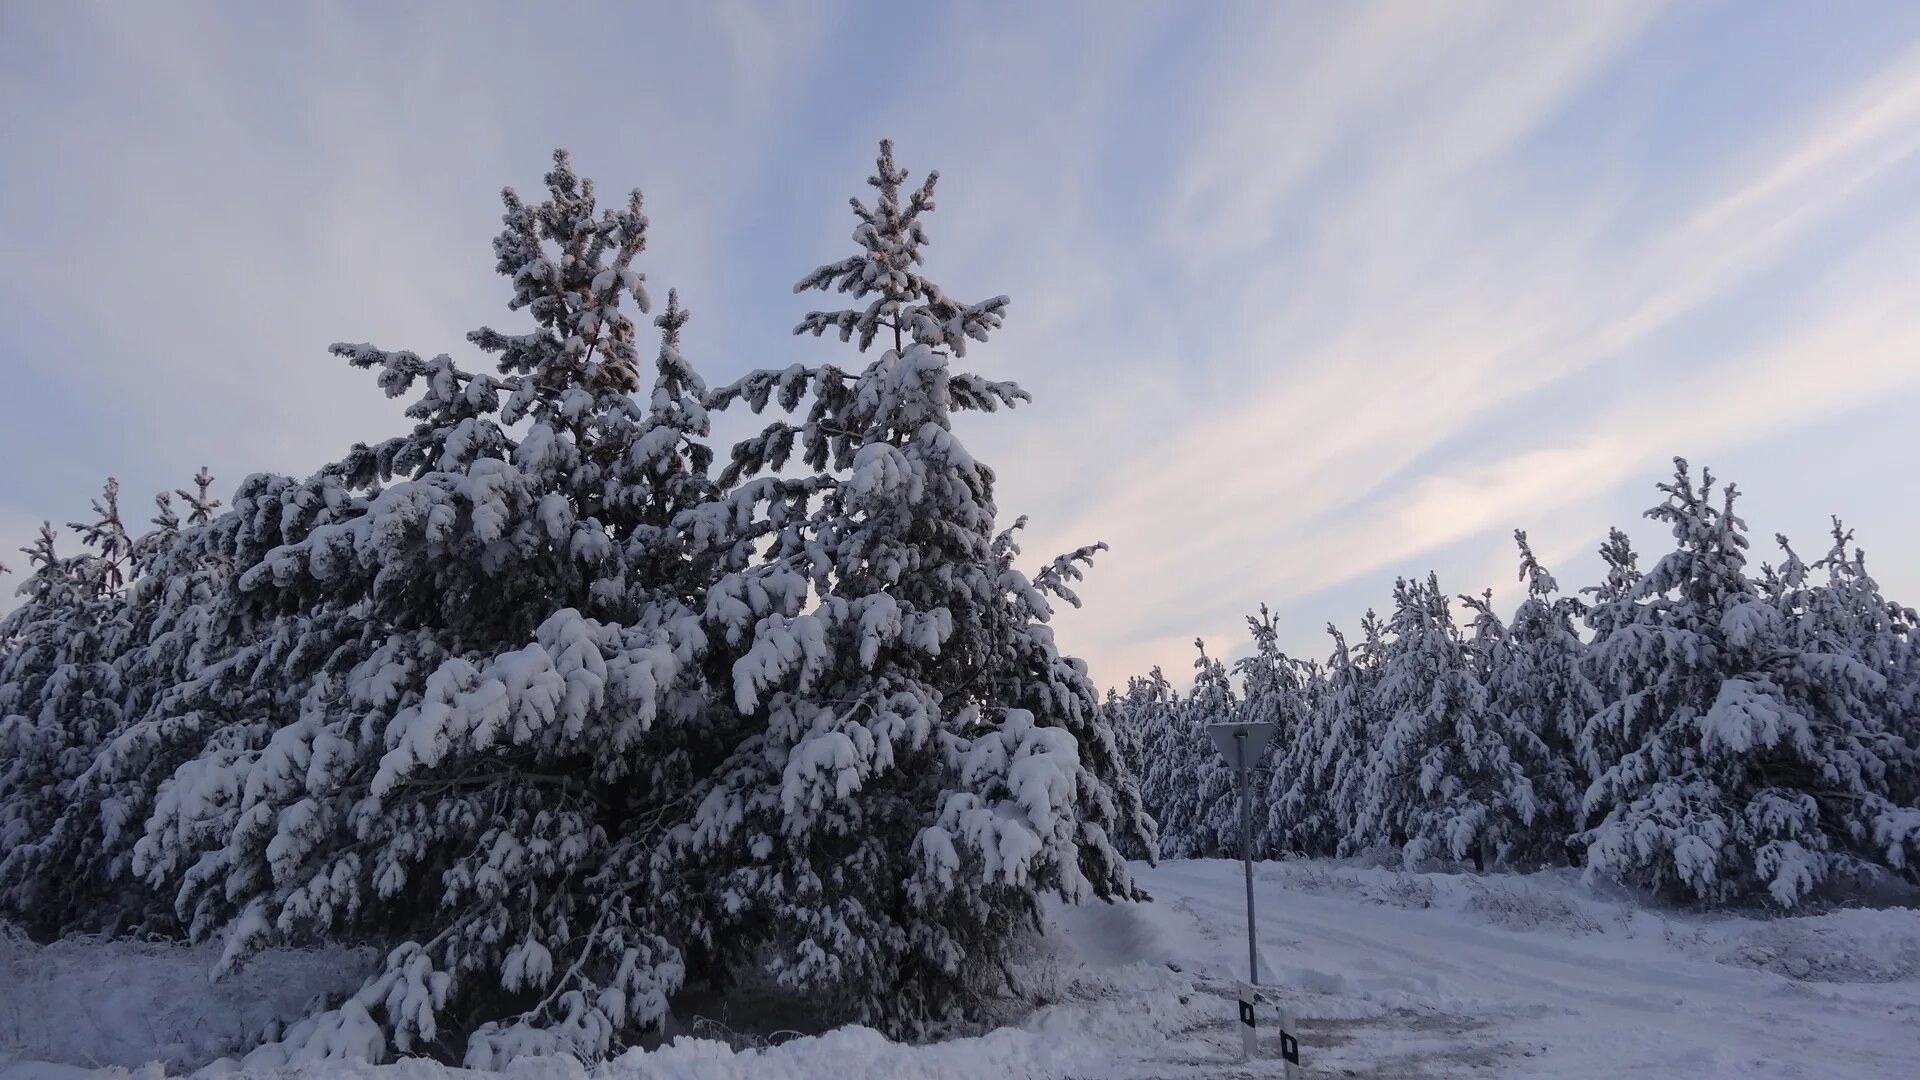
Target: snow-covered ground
(1389,974)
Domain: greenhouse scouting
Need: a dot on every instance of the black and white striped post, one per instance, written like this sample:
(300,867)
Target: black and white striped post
(1241,745)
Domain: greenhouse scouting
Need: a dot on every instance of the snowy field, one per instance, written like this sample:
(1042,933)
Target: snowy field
(1390,975)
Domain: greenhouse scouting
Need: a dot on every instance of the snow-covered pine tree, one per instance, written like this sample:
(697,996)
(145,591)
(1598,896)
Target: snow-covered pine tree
(60,697)
(1850,612)
(464,652)
(1752,749)
(1539,695)
(1444,779)
(1301,811)
(1216,827)
(1872,741)
(1610,609)
(1274,689)
(86,825)
(33,737)
(1142,720)
(1167,759)
(1144,709)
(918,762)
(1350,726)
(203,678)
(1188,764)
(1121,717)
(173,611)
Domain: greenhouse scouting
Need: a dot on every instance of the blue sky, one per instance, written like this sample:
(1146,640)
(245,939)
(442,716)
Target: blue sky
(1309,295)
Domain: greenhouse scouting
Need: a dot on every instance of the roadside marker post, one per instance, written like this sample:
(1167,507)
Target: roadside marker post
(1249,1033)
(1289,1045)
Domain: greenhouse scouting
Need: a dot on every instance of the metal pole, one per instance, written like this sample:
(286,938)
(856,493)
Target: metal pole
(1239,744)
(1246,856)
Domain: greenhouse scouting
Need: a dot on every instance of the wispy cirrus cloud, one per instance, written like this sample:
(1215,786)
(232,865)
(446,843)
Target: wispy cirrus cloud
(1309,295)
(201,198)
(1464,298)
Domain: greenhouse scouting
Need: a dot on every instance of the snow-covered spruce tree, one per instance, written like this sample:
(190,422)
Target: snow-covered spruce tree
(1444,779)
(469,653)
(1140,715)
(918,762)
(1301,817)
(1142,719)
(39,637)
(1348,726)
(1216,832)
(1610,609)
(1538,693)
(1169,761)
(1274,689)
(174,604)
(206,678)
(1852,615)
(1845,616)
(1187,763)
(96,817)
(60,697)
(1122,718)
(1756,756)
(1884,635)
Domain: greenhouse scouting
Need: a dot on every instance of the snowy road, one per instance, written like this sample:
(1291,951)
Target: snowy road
(1400,975)
(1389,975)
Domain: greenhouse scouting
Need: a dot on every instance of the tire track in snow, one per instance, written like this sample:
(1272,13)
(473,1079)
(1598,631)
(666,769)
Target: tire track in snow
(1561,1005)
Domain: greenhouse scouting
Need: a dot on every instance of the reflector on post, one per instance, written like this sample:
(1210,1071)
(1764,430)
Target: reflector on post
(1249,1025)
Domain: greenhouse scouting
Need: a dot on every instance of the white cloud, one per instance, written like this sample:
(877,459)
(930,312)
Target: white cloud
(1321,472)
(1299,294)
(1404,97)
